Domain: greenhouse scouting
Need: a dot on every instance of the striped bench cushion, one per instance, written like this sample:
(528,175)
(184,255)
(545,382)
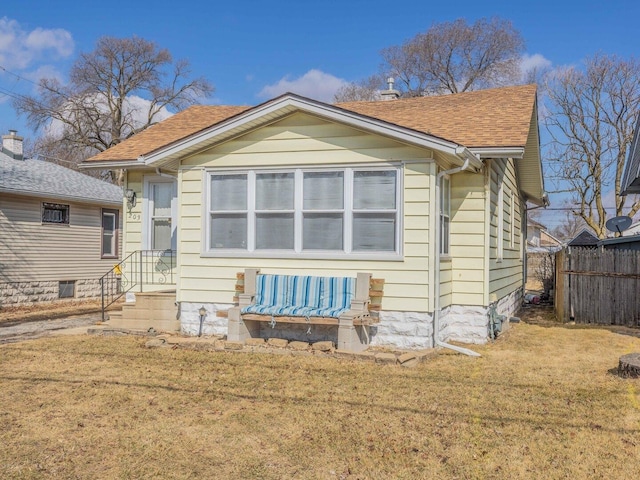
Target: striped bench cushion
(337,292)
(272,290)
(302,296)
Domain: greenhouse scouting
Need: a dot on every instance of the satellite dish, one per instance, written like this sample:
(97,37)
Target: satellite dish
(618,224)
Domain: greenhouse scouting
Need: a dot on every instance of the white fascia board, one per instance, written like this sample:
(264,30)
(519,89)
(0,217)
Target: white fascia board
(309,106)
(499,152)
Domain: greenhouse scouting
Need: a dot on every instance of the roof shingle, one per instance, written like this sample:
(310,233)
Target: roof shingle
(499,117)
(37,177)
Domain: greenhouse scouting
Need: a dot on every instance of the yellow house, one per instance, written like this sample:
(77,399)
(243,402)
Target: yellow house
(426,193)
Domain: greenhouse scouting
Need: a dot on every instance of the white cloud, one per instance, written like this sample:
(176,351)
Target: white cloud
(59,40)
(533,63)
(314,84)
(20,48)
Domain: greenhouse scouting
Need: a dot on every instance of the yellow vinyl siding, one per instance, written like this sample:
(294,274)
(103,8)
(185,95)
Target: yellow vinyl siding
(133,218)
(505,276)
(467,238)
(297,141)
(34,251)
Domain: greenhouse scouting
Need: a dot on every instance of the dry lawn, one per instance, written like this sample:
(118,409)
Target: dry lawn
(541,403)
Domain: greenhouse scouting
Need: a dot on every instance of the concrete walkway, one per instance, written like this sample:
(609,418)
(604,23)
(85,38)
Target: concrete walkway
(11,332)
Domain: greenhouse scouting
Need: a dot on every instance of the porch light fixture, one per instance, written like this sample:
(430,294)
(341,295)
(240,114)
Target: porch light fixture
(130,195)
(203,313)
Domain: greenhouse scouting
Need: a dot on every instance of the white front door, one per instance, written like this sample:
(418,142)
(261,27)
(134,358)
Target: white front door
(161,222)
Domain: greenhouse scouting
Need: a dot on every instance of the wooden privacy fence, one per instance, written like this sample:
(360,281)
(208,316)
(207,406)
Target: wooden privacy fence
(598,286)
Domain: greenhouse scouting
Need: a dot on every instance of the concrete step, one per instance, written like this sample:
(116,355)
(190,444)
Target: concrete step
(151,309)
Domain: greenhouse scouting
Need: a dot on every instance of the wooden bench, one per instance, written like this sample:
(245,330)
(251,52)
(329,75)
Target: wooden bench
(302,299)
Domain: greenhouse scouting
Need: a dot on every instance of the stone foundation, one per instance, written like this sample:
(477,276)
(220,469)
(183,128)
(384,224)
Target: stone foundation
(212,324)
(470,324)
(29,293)
(467,324)
(406,330)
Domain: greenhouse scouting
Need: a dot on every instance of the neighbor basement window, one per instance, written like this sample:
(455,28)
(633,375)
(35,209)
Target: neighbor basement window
(55,213)
(67,289)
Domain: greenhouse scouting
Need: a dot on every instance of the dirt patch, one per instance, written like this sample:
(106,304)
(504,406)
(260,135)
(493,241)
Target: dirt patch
(48,311)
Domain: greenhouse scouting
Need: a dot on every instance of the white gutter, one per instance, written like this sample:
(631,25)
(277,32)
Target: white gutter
(436,277)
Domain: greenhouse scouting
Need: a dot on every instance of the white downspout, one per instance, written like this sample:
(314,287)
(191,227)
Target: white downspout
(436,276)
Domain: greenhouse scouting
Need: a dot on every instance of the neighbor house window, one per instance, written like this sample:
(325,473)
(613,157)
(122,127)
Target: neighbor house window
(67,289)
(109,233)
(346,210)
(55,213)
(445,215)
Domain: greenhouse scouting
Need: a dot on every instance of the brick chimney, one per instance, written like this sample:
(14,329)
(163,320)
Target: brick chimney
(12,145)
(391,93)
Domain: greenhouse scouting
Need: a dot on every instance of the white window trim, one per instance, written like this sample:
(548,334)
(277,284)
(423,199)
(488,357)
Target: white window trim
(512,216)
(444,255)
(148,180)
(115,214)
(298,252)
(500,223)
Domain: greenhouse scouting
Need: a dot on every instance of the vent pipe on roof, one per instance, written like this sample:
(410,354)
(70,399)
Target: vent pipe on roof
(391,93)
(12,145)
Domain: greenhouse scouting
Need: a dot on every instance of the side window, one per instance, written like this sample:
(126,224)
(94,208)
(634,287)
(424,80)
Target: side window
(109,242)
(445,215)
(500,223)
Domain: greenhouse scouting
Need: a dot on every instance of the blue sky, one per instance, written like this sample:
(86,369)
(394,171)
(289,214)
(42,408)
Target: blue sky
(254,50)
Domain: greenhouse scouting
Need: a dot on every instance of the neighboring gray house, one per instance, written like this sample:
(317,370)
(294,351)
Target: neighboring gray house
(584,239)
(59,229)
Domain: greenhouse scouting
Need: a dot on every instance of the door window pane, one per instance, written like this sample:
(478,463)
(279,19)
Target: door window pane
(274,231)
(161,234)
(322,231)
(162,193)
(374,232)
(323,190)
(374,190)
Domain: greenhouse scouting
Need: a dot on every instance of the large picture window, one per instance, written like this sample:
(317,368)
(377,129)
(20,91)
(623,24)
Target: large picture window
(336,211)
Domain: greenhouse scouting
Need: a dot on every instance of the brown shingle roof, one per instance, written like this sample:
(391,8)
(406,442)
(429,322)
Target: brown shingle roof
(174,128)
(498,117)
(485,118)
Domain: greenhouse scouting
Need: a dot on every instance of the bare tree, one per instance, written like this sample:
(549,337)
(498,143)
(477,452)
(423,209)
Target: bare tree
(569,228)
(119,89)
(363,90)
(454,57)
(590,115)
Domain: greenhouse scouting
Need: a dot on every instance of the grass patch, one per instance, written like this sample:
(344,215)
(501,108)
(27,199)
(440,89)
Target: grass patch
(540,403)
